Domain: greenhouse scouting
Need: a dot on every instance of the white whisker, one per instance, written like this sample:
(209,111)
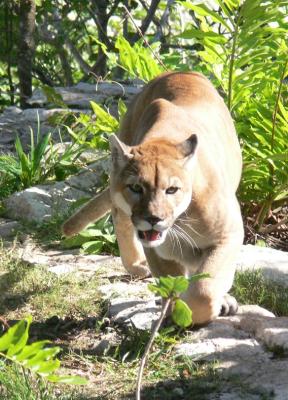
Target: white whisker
(177,239)
(186,237)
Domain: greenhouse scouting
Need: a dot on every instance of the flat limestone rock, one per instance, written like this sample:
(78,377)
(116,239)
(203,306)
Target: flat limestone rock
(81,94)
(66,261)
(139,314)
(241,345)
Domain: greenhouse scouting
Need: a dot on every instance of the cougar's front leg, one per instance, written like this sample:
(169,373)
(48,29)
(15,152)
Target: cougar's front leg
(131,250)
(208,298)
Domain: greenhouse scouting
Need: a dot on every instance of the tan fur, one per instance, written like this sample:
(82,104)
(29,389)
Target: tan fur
(201,220)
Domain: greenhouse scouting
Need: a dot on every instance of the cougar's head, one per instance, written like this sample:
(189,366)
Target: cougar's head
(152,183)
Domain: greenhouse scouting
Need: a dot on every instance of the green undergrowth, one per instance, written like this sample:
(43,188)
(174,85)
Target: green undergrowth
(17,385)
(251,287)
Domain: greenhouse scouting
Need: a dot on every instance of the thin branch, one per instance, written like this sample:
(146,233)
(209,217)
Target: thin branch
(145,41)
(163,21)
(165,305)
(75,53)
(195,46)
(47,80)
(146,22)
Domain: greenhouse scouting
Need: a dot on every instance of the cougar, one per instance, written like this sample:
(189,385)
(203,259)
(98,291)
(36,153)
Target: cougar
(176,165)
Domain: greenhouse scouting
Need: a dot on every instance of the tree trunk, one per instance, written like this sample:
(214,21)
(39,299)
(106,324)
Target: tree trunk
(26,47)
(9,47)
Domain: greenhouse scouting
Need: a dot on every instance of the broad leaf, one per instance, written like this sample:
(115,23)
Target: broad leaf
(182,314)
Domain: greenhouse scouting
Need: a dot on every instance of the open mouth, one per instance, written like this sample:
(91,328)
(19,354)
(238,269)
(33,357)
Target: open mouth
(150,236)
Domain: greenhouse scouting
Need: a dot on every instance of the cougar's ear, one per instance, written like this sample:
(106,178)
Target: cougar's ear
(120,152)
(188,147)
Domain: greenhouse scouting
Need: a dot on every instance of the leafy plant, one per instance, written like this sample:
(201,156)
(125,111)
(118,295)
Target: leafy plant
(97,238)
(244,47)
(34,359)
(169,288)
(42,162)
(137,61)
(91,130)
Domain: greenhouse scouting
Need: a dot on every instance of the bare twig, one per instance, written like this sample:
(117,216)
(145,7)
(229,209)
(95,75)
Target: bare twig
(145,41)
(274,227)
(165,305)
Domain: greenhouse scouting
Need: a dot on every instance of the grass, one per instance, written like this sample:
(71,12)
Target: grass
(17,384)
(36,291)
(251,287)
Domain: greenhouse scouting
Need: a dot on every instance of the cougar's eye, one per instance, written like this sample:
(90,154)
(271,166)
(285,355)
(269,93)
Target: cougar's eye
(172,190)
(136,188)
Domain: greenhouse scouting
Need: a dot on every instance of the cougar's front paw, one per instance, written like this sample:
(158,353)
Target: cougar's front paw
(229,305)
(139,269)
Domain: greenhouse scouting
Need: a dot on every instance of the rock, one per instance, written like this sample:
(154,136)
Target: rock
(131,289)
(138,314)
(41,203)
(66,261)
(271,331)
(81,94)
(32,114)
(178,392)
(107,341)
(8,228)
(241,346)
(273,263)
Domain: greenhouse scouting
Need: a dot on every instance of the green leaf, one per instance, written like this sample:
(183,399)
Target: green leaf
(44,355)
(104,121)
(31,350)
(158,290)
(16,337)
(138,61)
(93,247)
(182,314)
(203,10)
(181,284)
(39,151)
(73,242)
(198,277)
(167,282)
(198,34)
(47,367)
(122,109)
(68,379)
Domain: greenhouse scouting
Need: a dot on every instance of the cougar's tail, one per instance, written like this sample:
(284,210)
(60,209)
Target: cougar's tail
(95,209)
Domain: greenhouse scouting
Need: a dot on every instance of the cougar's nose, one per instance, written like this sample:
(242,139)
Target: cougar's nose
(153,220)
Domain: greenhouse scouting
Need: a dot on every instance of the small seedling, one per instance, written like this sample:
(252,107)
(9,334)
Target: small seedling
(169,288)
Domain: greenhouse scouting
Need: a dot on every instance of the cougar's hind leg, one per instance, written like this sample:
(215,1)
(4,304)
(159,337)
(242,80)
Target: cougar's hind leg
(131,250)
